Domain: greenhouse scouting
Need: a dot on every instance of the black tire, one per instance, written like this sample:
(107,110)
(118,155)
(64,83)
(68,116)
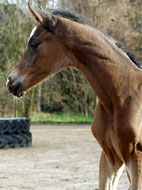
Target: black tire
(14,132)
(12,142)
(16,140)
(21,140)
(24,139)
(28,137)
(3,142)
(14,125)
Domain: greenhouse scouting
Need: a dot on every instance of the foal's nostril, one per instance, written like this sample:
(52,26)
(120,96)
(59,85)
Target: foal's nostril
(8,81)
(14,86)
(9,84)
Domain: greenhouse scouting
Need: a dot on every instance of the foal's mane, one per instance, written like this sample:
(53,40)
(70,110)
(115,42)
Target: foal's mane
(80,19)
(70,16)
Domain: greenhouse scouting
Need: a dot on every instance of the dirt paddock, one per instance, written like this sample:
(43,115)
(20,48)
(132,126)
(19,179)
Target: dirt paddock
(62,158)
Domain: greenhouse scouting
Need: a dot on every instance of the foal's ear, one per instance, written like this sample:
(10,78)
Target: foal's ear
(46,19)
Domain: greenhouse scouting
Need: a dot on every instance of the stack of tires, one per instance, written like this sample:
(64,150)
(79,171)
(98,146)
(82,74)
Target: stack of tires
(15,132)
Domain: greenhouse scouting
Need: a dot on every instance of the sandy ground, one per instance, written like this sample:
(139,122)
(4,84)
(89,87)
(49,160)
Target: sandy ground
(61,158)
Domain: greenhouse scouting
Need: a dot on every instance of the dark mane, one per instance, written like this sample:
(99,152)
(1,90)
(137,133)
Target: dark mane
(66,14)
(83,20)
(71,16)
(129,54)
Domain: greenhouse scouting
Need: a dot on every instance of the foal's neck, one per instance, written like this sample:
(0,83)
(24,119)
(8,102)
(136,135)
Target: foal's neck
(109,71)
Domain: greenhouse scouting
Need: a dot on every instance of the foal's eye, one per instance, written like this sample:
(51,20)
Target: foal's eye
(34,46)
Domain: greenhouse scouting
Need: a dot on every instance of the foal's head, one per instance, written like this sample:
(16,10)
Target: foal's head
(45,54)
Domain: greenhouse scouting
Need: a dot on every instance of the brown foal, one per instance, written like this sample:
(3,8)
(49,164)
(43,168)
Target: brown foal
(61,40)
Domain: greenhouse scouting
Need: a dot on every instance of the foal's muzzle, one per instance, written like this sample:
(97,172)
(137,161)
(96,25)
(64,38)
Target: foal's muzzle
(15,87)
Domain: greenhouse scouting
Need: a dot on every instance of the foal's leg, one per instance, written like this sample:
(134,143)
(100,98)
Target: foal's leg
(128,179)
(109,174)
(135,170)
